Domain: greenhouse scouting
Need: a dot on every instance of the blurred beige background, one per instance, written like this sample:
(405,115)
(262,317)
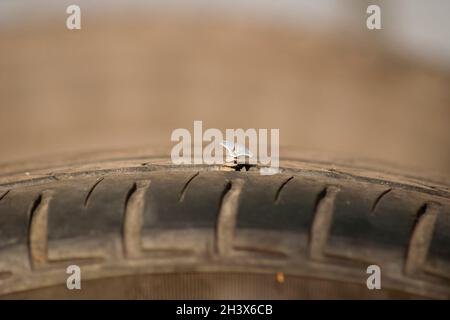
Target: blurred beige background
(133,74)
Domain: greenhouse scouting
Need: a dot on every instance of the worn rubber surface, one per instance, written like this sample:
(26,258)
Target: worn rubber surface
(130,218)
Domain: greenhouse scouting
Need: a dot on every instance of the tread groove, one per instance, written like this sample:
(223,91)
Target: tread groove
(378,199)
(133,219)
(186,185)
(88,196)
(421,236)
(3,195)
(323,215)
(278,193)
(226,221)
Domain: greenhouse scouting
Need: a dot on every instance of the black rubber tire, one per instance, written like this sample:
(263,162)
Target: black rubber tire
(310,226)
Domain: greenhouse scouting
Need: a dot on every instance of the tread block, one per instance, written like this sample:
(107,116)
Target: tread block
(71,217)
(199,207)
(14,215)
(293,211)
(439,251)
(357,229)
